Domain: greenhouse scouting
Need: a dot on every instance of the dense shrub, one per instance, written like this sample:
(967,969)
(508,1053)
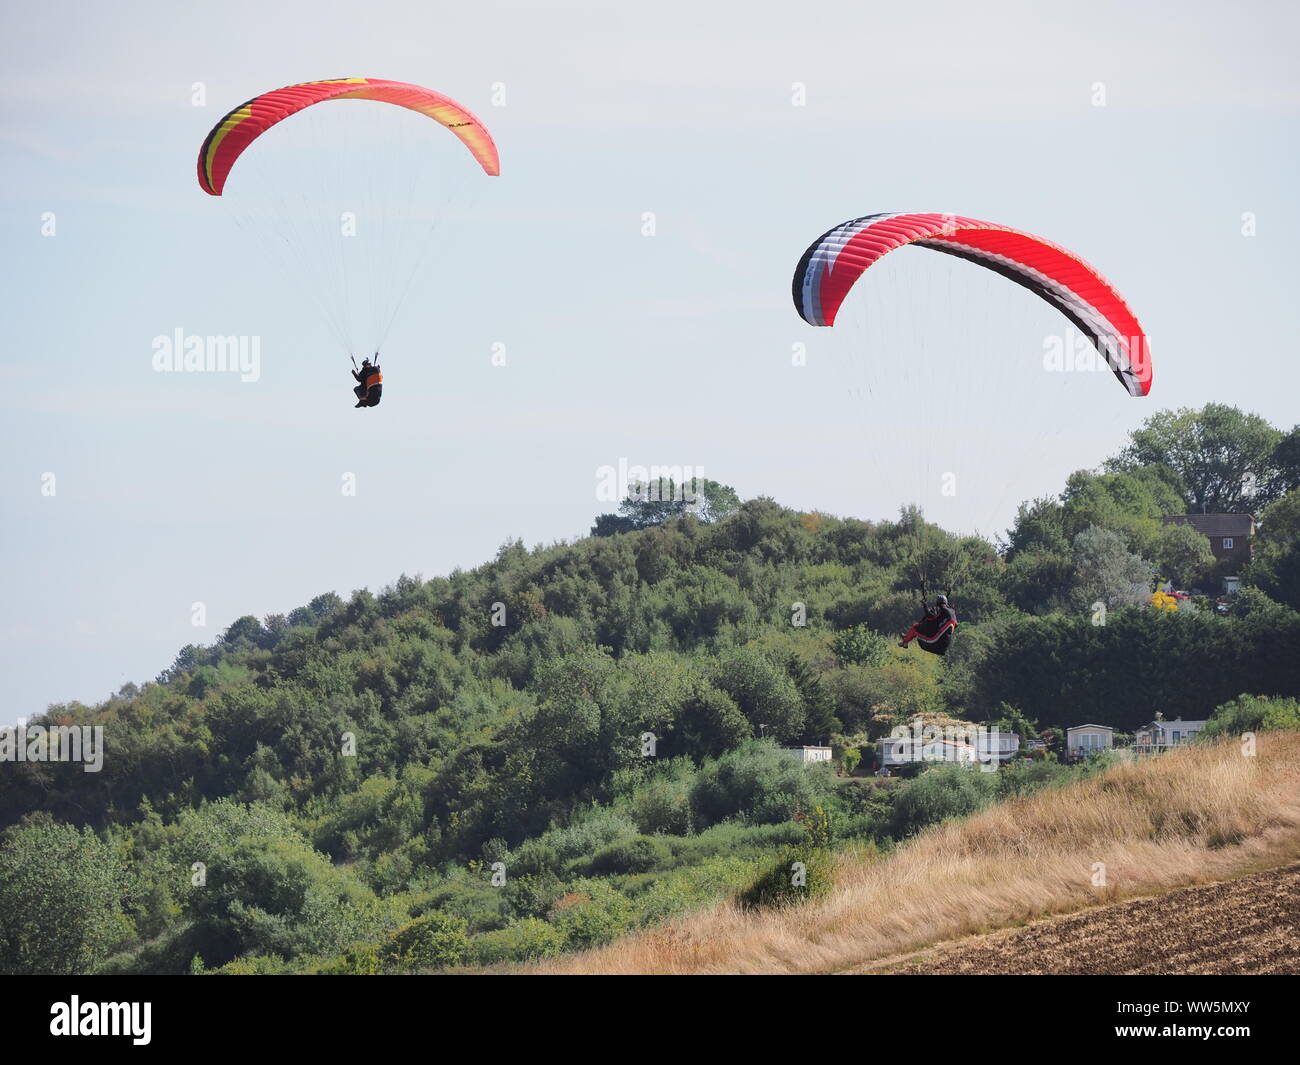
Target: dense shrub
(589,832)
(755,783)
(1252,713)
(639,854)
(526,940)
(941,791)
(591,912)
(278,896)
(71,884)
(434,941)
(801,873)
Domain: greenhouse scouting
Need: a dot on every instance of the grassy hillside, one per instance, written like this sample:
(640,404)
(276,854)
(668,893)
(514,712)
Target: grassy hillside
(1193,816)
(576,742)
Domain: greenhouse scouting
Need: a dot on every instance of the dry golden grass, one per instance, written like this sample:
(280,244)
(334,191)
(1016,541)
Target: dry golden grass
(1189,817)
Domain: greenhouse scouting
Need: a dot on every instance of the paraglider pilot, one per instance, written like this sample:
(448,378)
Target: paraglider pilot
(934,631)
(370,382)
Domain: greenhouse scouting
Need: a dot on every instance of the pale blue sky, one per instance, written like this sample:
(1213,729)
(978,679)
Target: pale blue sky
(674,349)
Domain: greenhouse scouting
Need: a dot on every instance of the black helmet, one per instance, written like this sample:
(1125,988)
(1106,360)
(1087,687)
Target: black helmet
(942,600)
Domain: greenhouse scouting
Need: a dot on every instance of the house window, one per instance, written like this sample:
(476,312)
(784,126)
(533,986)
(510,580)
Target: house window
(1227,543)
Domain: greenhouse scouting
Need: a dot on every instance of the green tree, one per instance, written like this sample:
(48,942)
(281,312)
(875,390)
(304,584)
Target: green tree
(1183,555)
(1038,582)
(1039,529)
(1130,504)
(61,892)
(1223,455)
(764,691)
(1284,466)
(651,503)
(434,941)
(1275,568)
(710,722)
(1106,571)
(860,646)
(268,896)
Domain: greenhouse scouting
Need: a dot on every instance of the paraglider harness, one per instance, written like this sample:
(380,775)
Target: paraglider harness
(934,631)
(370,386)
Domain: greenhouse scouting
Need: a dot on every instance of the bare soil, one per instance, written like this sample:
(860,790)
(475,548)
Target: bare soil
(1246,926)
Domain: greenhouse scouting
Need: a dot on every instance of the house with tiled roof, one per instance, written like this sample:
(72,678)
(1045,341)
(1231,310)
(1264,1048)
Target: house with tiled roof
(1230,535)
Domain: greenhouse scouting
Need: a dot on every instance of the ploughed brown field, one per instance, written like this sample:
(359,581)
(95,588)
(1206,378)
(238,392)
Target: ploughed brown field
(1249,926)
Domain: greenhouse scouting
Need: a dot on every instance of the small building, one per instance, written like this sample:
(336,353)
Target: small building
(1083,740)
(1161,735)
(903,750)
(1230,535)
(808,755)
(996,747)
